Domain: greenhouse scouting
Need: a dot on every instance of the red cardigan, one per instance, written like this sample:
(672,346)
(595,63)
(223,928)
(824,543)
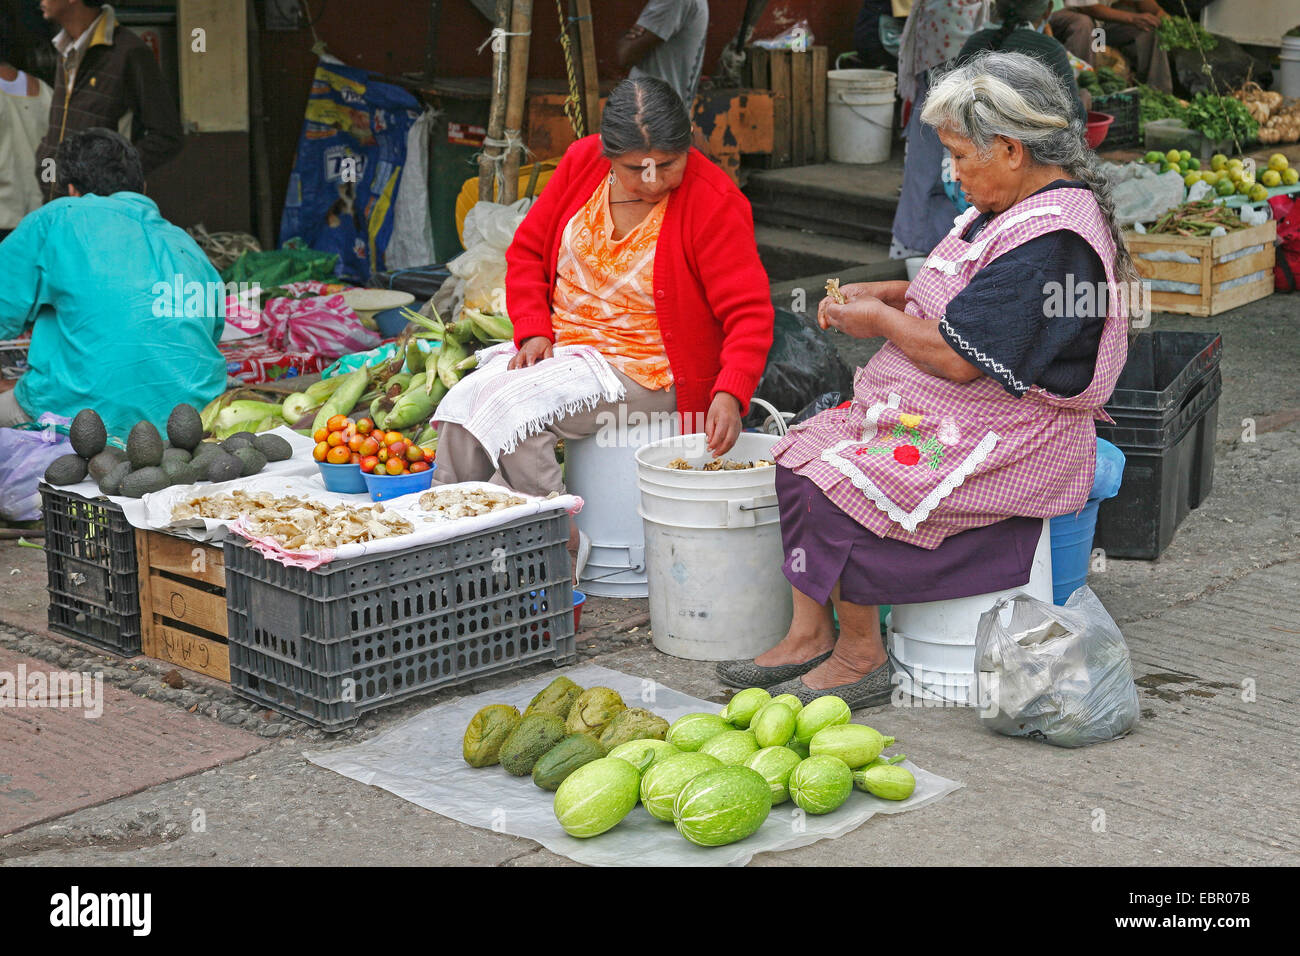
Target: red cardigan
(711,292)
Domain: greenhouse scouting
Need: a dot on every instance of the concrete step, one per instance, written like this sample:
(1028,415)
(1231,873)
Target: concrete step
(832,199)
(792,253)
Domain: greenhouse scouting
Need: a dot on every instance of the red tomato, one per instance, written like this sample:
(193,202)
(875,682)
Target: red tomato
(382,454)
(414,453)
(337,423)
(338,455)
(320,451)
(369,446)
(397,449)
(365,426)
(321,434)
(419,466)
(394,466)
(369,463)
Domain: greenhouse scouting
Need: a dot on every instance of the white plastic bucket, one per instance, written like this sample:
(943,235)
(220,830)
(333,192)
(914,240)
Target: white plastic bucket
(933,644)
(914,265)
(602,471)
(713,551)
(1288,83)
(859,115)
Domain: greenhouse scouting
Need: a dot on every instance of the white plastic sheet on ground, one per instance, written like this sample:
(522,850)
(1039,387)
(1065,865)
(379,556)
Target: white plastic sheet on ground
(420,760)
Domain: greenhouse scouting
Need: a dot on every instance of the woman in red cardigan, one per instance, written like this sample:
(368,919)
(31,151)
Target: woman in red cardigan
(643,249)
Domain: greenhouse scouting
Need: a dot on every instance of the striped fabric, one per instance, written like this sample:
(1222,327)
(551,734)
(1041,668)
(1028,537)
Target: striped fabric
(604,291)
(917,457)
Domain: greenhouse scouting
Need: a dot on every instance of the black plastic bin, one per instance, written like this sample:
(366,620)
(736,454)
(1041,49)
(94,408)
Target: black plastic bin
(1169,471)
(1162,372)
(92,572)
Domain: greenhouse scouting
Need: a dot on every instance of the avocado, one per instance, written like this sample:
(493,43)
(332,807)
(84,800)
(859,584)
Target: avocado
(251,460)
(143,481)
(184,427)
(238,440)
(144,446)
(182,473)
(204,449)
(111,483)
(66,470)
(223,467)
(273,447)
(175,454)
(105,461)
(87,433)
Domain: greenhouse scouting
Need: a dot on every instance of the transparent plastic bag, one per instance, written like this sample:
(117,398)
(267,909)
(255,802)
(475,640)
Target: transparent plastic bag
(1056,674)
(25,452)
(479,273)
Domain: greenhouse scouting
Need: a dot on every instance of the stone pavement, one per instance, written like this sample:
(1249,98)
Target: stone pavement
(1208,776)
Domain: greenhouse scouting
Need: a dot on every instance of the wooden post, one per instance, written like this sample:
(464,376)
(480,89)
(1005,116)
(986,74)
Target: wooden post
(819,66)
(521,21)
(431,39)
(590,78)
(497,111)
(266,231)
(800,107)
(783,120)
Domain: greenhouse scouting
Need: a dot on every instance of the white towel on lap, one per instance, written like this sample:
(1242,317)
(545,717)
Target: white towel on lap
(501,407)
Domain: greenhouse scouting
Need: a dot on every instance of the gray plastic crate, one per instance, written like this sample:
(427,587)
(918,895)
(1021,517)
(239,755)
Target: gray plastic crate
(330,644)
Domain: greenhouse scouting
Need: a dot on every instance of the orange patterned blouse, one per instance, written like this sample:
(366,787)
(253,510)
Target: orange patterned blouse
(604,291)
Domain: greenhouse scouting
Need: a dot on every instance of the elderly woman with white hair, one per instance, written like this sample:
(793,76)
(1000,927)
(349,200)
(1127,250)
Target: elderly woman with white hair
(975,421)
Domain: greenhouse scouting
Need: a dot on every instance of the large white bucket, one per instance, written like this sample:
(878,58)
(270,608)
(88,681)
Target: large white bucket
(713,551)
(602,471)
(1288,83)
(933,644)
(859,115)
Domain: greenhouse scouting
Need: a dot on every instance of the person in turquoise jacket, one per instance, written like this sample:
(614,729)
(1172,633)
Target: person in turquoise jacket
(125,309)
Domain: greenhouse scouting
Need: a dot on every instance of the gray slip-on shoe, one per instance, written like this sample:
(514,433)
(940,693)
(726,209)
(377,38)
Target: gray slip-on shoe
(749,674)
(871,691)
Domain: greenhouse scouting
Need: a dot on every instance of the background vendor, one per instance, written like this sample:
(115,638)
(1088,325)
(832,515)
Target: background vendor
(975,421)
(87,275)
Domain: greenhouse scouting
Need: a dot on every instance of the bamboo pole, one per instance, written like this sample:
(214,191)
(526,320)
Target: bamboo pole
(521,22)
(487,161)
(590,77)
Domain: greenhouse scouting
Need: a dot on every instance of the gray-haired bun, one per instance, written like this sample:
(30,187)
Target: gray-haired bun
(644,113)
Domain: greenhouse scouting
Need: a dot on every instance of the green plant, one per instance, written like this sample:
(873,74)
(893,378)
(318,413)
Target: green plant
(1221,118)
(1180,33)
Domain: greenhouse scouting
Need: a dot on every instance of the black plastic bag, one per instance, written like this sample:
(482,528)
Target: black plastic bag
(421,281)
(801,366)
(818,405)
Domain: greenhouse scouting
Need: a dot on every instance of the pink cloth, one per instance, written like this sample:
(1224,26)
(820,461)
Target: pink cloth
(935,32)
(324,325)
(919,458)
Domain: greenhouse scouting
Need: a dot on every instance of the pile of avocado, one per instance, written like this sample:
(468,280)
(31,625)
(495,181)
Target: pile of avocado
(151,464)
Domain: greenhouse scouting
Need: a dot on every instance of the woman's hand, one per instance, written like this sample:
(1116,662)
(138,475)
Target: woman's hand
(722,425)
(856,318)
(892,292)
(532,351)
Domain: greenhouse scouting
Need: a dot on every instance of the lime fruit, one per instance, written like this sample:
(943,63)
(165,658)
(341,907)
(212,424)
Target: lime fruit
(1291,176)
(1193,163)
(1243,188)
(1271,177)
(1218,161)
(1173,156)
(1209,177)
(1225,187)
(1258,193)
(1154,156)
(1278,162)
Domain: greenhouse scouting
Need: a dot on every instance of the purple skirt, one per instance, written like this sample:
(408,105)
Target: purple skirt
(824,546)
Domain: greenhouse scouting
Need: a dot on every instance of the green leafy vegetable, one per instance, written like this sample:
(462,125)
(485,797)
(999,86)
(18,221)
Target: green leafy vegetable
(1180,33)
(1221,118)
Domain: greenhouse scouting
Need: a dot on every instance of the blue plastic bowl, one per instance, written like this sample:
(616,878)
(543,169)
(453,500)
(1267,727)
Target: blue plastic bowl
(384,487)
(344,479)
(579,599)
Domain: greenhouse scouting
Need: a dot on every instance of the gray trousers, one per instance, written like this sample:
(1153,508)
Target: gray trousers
(531,469)
(11,413)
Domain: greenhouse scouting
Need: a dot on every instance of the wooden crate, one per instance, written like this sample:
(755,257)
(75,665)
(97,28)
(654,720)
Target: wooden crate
(797,82)
(183,603)
(1209,271)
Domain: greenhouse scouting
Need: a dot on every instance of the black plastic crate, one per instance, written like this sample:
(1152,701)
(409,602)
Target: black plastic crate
(13,357)
(91,571)
(1125,132)
(330,644)
(1162,370)
(1162,483)
(1137,430)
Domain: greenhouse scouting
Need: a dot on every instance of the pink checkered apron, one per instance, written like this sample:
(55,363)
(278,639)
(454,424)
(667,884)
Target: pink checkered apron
(917,457)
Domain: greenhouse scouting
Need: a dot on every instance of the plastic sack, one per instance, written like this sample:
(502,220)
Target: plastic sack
(798,38)
(1056,674)
(801,365)
(479,273)
(322,325)
(25,453)
(1110,471)
(1143,195)
(821,403)
(347,174)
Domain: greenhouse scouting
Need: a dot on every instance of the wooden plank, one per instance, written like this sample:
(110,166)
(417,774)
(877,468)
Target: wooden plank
(1243,266)
(1169,271)
(1178,303)
(148,644)
(800,108)
(214,77)
(756,68)
(192,651)
(187,604)
(1265,233)
(1242,294)
(186,558)
(779,78)
(820,59)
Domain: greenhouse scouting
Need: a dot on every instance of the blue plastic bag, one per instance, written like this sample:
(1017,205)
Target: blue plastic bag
(1110,471)
(349,166)
(25,452)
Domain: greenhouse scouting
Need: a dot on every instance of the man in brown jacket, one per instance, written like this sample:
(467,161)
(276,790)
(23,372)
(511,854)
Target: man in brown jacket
(107,77)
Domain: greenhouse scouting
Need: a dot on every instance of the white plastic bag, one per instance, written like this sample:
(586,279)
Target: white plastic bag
(479,273)
(1057,674)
